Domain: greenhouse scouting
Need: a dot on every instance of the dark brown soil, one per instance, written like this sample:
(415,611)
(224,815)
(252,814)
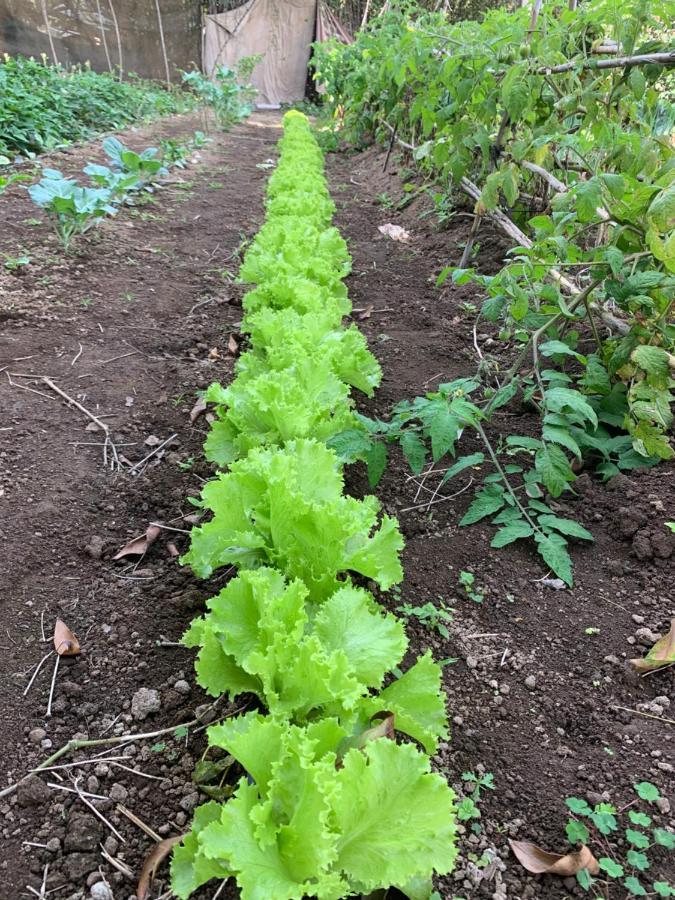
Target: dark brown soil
(117,327)
(564,735)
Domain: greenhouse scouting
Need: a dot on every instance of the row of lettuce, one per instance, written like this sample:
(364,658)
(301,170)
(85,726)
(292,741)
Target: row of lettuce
(330,803)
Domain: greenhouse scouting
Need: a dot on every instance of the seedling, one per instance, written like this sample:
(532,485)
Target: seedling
(12,263)
(72,209)
(467,808)
(385,200)
(430,616)
(468,580)
(622,840)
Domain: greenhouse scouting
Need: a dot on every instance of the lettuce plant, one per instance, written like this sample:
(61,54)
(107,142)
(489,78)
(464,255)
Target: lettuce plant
(307,399)
(304,824)
(287,246)
(264,636)
(278,338)
(289,290)
(286,507)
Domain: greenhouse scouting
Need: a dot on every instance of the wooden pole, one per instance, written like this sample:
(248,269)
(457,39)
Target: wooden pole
(119,40)
(103,37)
(161,40)
(49,33)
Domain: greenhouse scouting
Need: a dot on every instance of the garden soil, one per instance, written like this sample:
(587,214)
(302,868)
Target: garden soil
(142,315)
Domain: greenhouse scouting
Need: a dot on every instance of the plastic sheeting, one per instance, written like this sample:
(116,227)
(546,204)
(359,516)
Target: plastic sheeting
(281,31)
(106,33)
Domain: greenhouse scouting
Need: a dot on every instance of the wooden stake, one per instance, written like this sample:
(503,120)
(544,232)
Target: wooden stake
(161,40)
(49,32)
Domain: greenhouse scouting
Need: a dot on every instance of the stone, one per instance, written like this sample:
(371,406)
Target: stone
(77,866)
(37,735)
(83,834)
(145,702)
(182,687)
(188,803)
(530,682)
(33,792)
(118,793)
(100,891)
(95,547)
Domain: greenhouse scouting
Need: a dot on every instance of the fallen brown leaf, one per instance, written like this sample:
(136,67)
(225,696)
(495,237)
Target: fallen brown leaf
(232,345)
(395,232)
(152,862)
(193,518)
(367,312)
(214,353)
(197,410)
(661,654)
(173,550)
(139,546)
(540,862)
(65,642)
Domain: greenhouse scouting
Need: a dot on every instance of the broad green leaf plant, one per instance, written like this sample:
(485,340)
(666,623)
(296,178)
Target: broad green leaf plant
(330,804)
(557,124)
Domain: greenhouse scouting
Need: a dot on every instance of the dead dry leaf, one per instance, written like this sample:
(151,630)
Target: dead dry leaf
(661,654)
(214,353)
(197,410)
(367,312)
(152,862)
(193,518)
(232,345)
(139,546)
(395,232)
(65,642)
(172,549)
(541,862)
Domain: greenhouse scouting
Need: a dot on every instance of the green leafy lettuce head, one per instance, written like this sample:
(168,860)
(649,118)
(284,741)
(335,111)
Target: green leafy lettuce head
(309,823)
(307,399)
(286,507)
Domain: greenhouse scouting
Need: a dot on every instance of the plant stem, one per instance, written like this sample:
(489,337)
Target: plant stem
(504,476)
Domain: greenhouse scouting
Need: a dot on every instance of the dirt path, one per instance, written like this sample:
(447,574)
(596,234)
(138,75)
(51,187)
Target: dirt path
(112,327)
(118,326)
(539,672)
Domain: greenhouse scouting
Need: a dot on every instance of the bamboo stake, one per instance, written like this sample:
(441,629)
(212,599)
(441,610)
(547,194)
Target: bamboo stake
(119,40)
(105,40)
(619,62)
(161,40)
(49,32)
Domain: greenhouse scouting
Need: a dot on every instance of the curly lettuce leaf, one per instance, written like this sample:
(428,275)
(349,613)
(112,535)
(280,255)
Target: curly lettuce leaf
(306,828)
(260,636)
(417,701)
(286,507)
(304,400)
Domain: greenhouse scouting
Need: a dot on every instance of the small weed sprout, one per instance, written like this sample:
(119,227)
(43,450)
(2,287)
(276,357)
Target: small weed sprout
(622,840)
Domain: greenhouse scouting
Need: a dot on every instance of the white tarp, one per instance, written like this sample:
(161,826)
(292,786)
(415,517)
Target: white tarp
(280,30)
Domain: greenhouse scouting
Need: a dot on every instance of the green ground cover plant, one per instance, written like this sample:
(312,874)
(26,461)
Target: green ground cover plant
(556,125)
(331,803)
(625,843)
(43,107)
